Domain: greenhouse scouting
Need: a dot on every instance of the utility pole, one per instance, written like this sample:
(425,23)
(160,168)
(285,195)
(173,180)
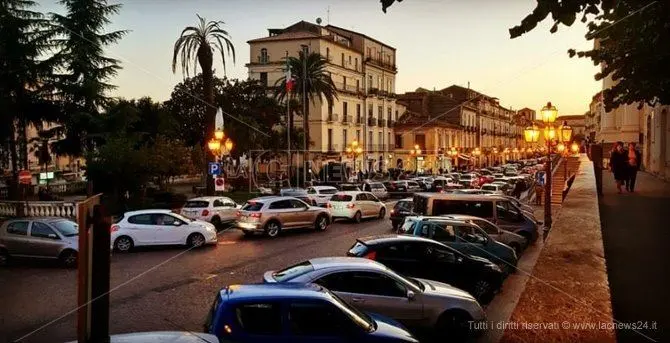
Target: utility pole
(305,114)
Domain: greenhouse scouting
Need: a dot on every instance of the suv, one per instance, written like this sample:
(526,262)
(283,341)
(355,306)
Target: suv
(270,215)
(216,210)
(376,188)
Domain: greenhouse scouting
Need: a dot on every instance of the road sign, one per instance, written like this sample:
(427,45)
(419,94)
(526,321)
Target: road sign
(25,177)
(214,168)
(219,184)
(47,176)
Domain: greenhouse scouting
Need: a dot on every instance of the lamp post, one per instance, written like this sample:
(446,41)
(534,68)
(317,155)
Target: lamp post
(219,145)
(415,153)
(354,150)
(564,135)
(548,115)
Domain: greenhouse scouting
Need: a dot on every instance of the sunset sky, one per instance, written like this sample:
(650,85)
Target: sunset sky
(438,42)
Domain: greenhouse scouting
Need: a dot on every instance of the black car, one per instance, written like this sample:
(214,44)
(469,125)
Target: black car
(402,209)
(425,258)
(396,189)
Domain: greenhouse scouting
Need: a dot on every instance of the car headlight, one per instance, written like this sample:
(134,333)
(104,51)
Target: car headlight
(495,267)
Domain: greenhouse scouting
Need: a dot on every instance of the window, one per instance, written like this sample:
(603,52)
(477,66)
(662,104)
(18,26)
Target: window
(343,59)
(328,54)
(420,139)
(311,190)
(388,138)
(398,141)
(507,212)
(363,283)
(358,111)
(305,49)
(380,112)
(264,55)
(41,230)
(370,111)
(297,204)
(370,85)
(444,233)
(252,206)
(370,142)
(280,205)
(380,141)
(361,197)
(141,219)
(345,108)
(317,319)
(356,63)
(358,136)
(468,234)
(345,139)
(194,204)
(330,139)
(18,228)
(164,219)
(358,85)
(388,114)
(349,59)
(369,52)
(259,319)
(218,203)
(66,227)
(483,209)
(344,82)
(264,79)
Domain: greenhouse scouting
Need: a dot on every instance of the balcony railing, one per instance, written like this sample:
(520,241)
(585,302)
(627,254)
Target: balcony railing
(359,120)
(347,87)
(380,63)
(371,122)
(381,122)
(332,117)
(38,209)
(346,119)
(391,123)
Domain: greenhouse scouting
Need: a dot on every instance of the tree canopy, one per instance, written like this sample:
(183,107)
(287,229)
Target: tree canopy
(633,43)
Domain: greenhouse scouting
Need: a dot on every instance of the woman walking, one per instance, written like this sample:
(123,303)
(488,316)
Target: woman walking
(619,165)
(634,158)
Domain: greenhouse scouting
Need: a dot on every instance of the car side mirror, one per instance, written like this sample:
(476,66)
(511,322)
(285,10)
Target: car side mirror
(52,236)
(410,295)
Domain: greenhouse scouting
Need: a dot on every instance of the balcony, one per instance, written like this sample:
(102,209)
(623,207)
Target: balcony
(382,64)
(332,117)
(347,88)
(346,119)
(391,123)
(381,122)
(373,91)
(372,122)
(359,120)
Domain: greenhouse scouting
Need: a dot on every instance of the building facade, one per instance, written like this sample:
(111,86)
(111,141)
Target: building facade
(577,123)
(363,71)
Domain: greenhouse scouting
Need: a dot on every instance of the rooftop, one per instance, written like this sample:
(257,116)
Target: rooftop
(273,291)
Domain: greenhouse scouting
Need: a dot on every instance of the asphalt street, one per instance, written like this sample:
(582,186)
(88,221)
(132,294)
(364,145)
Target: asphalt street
(163,288)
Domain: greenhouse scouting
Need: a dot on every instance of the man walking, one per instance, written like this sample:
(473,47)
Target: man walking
(634,158)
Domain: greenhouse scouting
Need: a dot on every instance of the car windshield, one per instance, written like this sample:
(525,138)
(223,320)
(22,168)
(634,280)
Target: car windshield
(328,191)
(66,227)
(293,271)
(349,187)
(341,197)
(196,204)
(359,318)
(376,186)
(252,206)
(489,187)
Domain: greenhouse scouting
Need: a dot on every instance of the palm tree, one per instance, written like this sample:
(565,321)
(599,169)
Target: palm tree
(317,84)
(196,45)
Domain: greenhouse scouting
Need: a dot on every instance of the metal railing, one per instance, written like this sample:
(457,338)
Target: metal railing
(372,122)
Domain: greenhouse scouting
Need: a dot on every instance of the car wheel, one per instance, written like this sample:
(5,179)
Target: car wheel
(216,221)
(195,240)
(382,213)
(321,223)
(4,257)
(68,258)
(483,291)
(123,244)
(357,217)
(272,229)
(453,325)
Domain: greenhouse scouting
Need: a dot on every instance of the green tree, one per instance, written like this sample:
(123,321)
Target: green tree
(83,70)
(196,45)
(40,148)
(22,42)
(318,84)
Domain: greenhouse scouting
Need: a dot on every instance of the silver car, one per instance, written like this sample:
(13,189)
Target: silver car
(40,237)
(511,239)
(371,286)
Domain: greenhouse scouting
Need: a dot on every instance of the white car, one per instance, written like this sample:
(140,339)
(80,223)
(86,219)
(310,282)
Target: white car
(216,210)
(496,188)
(356,205)
(376,188)
(321,194)
(159,227)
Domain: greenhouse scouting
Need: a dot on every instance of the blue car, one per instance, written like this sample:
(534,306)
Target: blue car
(295,313)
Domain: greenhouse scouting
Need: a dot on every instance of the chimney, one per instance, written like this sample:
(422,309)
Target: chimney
(468,84)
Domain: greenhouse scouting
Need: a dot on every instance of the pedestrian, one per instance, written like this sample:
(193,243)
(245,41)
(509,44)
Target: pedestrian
(634,158)
(619,165)
(518,189)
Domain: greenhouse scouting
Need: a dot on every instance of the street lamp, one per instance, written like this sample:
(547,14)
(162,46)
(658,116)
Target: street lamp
(416,152)
(549,114)
(354,150)
(575,147)
(219,145)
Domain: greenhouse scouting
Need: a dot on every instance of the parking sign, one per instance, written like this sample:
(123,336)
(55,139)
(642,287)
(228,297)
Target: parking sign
(214,168)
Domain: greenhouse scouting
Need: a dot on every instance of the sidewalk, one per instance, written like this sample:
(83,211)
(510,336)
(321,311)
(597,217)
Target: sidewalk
(635,236)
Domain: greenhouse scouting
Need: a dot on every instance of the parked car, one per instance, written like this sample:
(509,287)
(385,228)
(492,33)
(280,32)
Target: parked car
(271,215)
(288,192)
(370,286)
(429,259)
(401,209)
(472,191)
(216,210)
(321,194)
(493,187)
(463,236)
(307,199)
(356,206)
(159,227)
(511,239)
(468,180)
(163,336)
(40,238)
(295,313)
(348,187)
(376,188)
(496,208)
(403,188)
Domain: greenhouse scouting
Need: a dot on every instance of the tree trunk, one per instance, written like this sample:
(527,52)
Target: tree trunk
(14,156)
(306,143)
(23,144)
(210,114)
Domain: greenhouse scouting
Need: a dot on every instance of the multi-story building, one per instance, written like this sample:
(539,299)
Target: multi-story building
(577,123)
(363,70)
(593,118)
(527,114)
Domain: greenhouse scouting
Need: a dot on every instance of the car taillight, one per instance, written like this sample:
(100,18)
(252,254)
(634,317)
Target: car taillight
(238,213)
(351,205)
(255,215)
(392,211)
(205,213)
(329,205)
(372,255)
(114,228)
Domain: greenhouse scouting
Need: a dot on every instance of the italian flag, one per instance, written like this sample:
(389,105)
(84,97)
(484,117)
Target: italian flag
(290,81)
